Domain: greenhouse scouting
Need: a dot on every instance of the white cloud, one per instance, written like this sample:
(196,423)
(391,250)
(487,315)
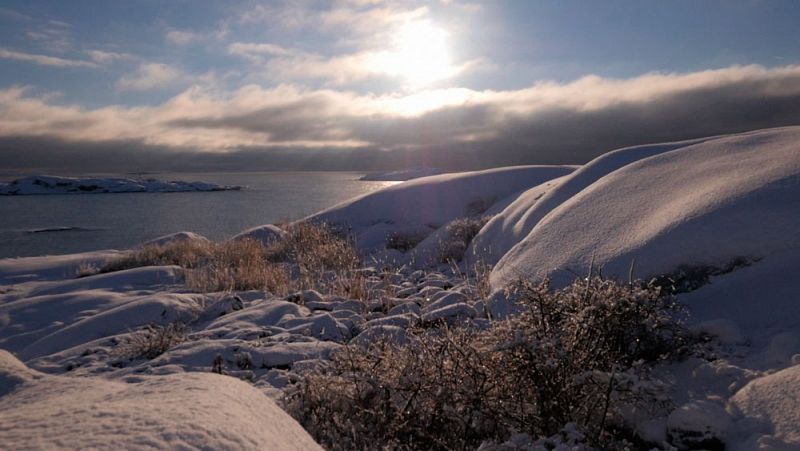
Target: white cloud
(103,57)
(179,37)
(44,60)
(584,116)
(150,76)
(256,51)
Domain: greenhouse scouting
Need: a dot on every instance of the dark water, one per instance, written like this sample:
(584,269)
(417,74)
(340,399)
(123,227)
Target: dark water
(59,224)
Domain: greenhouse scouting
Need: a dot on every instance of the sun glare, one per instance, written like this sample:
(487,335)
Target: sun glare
(420,54)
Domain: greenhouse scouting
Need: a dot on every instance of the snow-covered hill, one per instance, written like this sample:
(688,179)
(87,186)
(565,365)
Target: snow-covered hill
(47,184)
(704,203)
(422,205)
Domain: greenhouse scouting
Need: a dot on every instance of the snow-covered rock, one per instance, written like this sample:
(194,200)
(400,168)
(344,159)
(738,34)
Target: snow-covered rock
(422,205)
(774,403)
(701,204)
(186,411)
(47,184)
(264,234)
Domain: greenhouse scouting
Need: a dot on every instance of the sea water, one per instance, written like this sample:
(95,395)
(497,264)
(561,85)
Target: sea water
(69,223)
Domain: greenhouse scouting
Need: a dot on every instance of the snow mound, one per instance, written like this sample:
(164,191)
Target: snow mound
(264,234)
(196,410)
(175,238)
(423,205)
(702,204)
(773,400)
(508,227)
(31,269)
(400,175)
(46,184)
(514,223)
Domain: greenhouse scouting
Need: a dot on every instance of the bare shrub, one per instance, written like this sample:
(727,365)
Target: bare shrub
(151,341)
(404,241)
(577,356)
(460,233)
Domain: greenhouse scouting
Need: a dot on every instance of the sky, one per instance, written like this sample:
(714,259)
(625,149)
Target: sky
(94,85)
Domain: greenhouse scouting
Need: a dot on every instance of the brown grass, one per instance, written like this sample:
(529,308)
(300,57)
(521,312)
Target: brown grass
(308,256)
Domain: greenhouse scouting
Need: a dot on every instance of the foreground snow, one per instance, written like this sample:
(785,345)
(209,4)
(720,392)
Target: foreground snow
(47,184)
(690,206)
(186,411)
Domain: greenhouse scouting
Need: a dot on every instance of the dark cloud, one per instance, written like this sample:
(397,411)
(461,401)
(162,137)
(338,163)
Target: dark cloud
(545,124)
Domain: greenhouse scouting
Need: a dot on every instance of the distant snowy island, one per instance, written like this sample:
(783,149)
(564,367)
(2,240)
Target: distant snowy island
(47,184)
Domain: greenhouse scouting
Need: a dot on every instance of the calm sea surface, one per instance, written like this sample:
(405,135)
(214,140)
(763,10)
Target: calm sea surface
(118,221)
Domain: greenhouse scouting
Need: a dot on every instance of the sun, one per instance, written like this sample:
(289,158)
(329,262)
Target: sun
(420,54)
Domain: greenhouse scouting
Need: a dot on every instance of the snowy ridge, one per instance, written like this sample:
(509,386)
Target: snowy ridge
(400,175)
(47,184)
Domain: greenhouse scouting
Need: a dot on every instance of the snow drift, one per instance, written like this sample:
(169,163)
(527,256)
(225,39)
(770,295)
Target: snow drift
(701,204)
(196,410)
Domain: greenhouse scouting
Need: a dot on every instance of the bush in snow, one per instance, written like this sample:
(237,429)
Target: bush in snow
(574,358)
(151,341)
(404,241)
(460,233)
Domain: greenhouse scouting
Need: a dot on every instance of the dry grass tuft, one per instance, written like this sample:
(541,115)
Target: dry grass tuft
(308,256)
(151,341)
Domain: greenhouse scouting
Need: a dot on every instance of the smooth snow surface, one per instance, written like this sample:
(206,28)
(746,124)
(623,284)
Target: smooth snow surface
(47,184)
(401,175)
(185,411)
(772,405)
(702,204)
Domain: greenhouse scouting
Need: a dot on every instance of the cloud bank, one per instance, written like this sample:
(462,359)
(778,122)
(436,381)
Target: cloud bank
(289,127)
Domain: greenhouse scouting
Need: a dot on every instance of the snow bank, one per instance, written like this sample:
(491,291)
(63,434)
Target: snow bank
(422,205)
(32,269)
(701,204)
(401,175)
(46,184)
(197,410)
(760,303)
(774,401)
